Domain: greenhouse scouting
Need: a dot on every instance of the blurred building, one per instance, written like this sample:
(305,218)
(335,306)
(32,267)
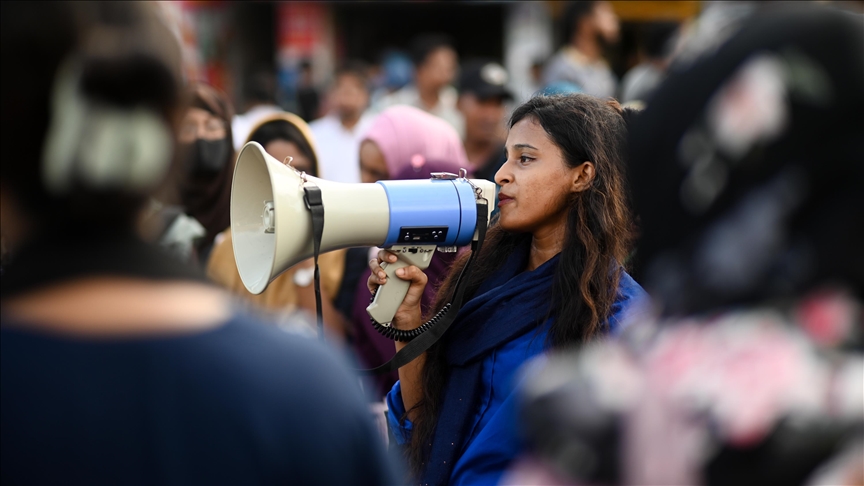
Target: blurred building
(224,39)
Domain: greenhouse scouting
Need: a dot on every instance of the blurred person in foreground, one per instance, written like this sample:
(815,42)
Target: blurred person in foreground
(435,65)
(482,102)
(402,143)
(549,276)
(589,28)
(117,364)
(284,135)
(749,170)
(338,134)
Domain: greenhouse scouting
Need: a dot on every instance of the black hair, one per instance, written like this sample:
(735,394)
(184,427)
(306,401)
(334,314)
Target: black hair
(355,68)
(283,130)
(656,37)
(424,45)
(260,87)
(139,65)
(575,12)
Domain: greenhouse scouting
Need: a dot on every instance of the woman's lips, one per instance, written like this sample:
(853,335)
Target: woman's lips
(503,199)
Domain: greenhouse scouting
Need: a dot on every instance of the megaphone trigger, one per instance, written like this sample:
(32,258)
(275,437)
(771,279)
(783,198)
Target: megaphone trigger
(389,296)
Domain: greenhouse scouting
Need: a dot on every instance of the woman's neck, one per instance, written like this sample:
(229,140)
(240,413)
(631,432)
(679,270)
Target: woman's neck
(545,244)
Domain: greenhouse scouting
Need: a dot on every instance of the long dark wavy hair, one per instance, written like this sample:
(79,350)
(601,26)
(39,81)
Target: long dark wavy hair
(598,237)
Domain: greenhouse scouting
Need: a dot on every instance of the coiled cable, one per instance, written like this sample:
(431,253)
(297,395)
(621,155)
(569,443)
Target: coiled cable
(407,335)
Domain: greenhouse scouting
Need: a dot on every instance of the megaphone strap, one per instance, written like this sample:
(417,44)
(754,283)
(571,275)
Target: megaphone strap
(315,203)
(430,332)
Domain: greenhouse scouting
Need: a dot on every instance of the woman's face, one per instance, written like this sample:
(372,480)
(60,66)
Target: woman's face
(536,184)
(280,149)
(373,167)
(200,123)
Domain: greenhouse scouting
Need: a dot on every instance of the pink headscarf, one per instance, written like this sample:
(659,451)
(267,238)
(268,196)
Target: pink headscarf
(408,136)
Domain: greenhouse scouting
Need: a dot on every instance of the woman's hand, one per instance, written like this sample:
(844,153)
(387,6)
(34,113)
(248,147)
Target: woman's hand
(408,316)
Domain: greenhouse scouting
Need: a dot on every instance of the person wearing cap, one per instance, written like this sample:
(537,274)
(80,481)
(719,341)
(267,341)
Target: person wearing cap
(482,98)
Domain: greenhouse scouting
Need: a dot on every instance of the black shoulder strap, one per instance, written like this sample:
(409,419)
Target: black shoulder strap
(316,207)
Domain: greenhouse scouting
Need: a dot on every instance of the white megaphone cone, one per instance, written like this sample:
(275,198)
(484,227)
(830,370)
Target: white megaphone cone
(271,225)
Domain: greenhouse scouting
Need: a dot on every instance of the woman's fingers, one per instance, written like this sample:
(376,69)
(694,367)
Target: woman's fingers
(418,281)
(386,256)
(377,277)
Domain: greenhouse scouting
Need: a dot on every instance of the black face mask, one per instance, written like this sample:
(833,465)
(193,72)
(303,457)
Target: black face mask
(207,157)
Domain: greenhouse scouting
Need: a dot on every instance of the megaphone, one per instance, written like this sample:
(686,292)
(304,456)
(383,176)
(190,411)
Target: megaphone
(272,228)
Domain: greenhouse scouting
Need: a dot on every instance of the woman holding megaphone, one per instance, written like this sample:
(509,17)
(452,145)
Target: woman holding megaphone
(548,277)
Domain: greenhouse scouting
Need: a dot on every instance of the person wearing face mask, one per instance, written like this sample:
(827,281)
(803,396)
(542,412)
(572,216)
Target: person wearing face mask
(286,136)
(206,175)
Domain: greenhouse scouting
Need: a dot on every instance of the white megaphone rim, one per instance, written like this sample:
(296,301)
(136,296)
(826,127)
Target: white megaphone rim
(259,178)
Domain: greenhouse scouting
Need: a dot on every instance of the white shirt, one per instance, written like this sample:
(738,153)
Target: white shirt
(241,125)
(339,148)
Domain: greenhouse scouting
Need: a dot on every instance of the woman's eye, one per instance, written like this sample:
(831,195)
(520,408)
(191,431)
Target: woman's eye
(524,159)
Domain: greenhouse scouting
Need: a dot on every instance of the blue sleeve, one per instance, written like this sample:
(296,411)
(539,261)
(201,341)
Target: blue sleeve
(631,302)
(395,411)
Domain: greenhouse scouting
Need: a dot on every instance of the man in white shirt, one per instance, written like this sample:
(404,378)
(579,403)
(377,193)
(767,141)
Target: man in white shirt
(337,135)
(435,64)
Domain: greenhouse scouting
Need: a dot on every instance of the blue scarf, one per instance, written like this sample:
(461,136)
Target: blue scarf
(507,305)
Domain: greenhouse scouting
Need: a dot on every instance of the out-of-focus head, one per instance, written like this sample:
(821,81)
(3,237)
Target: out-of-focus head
(749,166)
(91,97)
(595,18)
(402,136)
(287,135)
(397,69)
(482,96)
(350,93)
(435,61)
(205,134)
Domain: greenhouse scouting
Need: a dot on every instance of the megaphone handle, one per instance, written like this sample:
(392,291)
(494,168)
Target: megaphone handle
(389,296)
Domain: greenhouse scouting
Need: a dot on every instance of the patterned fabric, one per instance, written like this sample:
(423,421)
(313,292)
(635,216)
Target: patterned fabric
(721,393)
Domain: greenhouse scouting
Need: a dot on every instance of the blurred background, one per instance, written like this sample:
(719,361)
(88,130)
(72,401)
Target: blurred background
(300,44)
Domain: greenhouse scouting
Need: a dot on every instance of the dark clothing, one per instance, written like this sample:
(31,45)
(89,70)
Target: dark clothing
(308,103)
(490,166)
(769,205)
(240,404)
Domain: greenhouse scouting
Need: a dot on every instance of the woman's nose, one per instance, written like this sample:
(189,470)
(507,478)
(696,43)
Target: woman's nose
(504,176)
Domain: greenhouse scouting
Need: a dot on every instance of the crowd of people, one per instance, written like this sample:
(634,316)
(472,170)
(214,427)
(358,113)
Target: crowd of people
(671,289)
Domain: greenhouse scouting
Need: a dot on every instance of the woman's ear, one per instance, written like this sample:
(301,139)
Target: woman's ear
(583,176)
